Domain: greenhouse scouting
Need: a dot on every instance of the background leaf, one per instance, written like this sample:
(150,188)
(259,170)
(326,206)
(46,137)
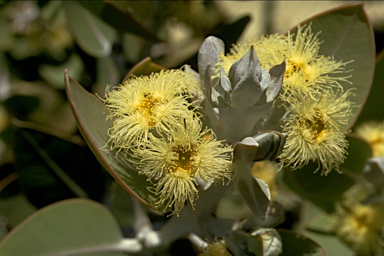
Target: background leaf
(65,227)
(375,97)
(347,35)
(91,116)
(121,21)
(297,244)
(319,226)
(93,35)
(52,168)
(144,68)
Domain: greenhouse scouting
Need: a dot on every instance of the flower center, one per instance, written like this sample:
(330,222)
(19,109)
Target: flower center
(363,218)
(146,108)
(184,162)
(297,65)
(317,126)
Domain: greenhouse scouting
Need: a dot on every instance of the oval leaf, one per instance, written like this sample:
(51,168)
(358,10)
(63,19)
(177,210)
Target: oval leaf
(144,68)
(347,35)
(124,22)
(91,117)
(71,227)
(375,97)
(93,35)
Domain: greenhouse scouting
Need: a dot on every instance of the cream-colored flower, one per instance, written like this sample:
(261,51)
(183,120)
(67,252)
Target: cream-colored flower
(306,69)
(174,162)
(147,104)
(362,227)
(315,130)
(373,132)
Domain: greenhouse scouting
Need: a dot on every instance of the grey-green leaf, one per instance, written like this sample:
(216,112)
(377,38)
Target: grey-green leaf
(91,117)
(93,35)
(71,227)
(347,34)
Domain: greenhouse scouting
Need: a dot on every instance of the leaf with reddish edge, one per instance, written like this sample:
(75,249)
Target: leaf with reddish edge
(346,34)
(121,21)
(91,117)
(144,68)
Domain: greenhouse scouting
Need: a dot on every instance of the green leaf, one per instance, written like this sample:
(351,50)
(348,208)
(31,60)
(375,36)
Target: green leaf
(121,21)
(15,209)
(375,97)
(53,168)
(71,227)
(347,35)
(324,191)
(21,105)
(330,244)
(52,74)
(91,117)
(122,206)
(91,34)
(107,73)
(144,68)
(297,244)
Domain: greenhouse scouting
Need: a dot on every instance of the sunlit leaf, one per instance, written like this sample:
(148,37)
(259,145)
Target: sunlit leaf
(91,116)
(71,227)
(347,34)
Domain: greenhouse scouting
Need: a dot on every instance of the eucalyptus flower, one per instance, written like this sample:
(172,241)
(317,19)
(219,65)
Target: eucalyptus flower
(315,130)
(360,225)
(306,70)
(373,132)
(149,104)
(175,163)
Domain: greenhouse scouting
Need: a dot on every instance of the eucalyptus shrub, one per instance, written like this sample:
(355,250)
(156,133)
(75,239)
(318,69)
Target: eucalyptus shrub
(225,154)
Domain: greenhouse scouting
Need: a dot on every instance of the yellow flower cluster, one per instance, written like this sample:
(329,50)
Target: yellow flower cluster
(360,225)
(373,132)
(306,70)
(312,93)
(315,130)
(156,127)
